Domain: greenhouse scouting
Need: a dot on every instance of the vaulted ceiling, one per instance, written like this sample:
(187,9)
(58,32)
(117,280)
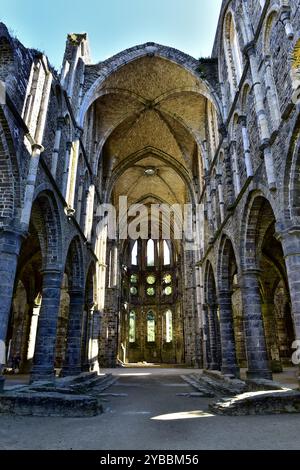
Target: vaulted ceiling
(150,120)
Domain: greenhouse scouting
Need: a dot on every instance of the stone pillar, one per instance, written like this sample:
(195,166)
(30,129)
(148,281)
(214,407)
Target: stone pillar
(85,340)
(236,175)
(10,244)
(30,183)
(44,356)
(268,311)
(66,170)
(258,366)
(272,93)
(228,174)
(72,364)
(229,362)
(285,17)
(261,116)
(206,345)
(213,337)
(55,151)
(246,145)
(290,240)
(221,196)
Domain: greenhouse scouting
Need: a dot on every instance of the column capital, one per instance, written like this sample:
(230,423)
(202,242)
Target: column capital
(37,148)
(69,146)
(251,271)
(249,48)
(232,144)
(78,132)
(242,120)
(60,122)
(225,293)
(76,292)
(51,270)
(283,231)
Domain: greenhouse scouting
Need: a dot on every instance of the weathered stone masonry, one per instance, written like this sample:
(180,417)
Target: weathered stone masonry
(157,126)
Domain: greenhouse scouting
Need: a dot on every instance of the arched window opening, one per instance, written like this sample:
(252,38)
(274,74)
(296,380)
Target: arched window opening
(168,327)
(134,254)
(233,54)
(270,85)
(150,253)
(132,327)
(212,128)
(150,327)
(167,254)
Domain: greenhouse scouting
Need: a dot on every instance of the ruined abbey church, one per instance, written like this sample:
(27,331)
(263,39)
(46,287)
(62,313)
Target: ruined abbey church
(156,127)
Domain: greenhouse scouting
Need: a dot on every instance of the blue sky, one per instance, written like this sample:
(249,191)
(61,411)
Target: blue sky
(113,25)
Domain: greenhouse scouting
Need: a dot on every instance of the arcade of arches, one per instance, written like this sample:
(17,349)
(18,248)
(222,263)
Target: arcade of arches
(158,127)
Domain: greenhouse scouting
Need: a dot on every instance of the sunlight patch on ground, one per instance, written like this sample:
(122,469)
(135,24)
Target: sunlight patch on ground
(136,374)
(183,415)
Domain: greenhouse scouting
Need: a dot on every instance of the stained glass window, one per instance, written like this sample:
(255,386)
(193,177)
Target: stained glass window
(150,253)
(150,327)
(132,327)
(133,290)
(150,291)
(134,278)
(167,279)
(168,326)
(167,254)
(134,254)
(168,290)
(151,280)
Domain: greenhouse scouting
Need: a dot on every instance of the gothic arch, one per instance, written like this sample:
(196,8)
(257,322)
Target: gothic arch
(46,220)
(227,264)
(259,215)
(160,155)
(232,51)
(74,265)
(130,55)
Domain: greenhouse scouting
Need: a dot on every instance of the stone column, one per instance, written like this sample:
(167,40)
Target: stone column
(272,93)
(285,17)
(72,365)
(268,311)
(261,116)
(290,240)
(213,337)
(228,174)
(206,347)
(55,152)
(258,366)
(236,174)
(221,196)
(85,340)
(246,145)
(229,362)
(66,169)
(10,244)
(44,356)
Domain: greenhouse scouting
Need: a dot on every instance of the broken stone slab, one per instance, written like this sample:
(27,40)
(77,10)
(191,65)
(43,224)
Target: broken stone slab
(263,384)
(49,404)
(259,403)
